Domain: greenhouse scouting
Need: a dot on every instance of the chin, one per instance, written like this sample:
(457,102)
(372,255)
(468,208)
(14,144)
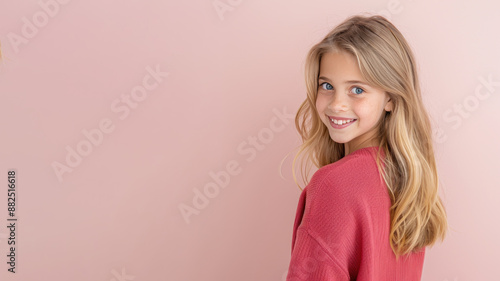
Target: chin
(337,140)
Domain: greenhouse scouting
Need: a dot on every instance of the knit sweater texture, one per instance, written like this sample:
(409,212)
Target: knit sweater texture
(342,224)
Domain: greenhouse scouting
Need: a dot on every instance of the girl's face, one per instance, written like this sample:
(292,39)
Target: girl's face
(343,94)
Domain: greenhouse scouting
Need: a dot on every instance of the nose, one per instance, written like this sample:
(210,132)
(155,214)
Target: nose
(338,103)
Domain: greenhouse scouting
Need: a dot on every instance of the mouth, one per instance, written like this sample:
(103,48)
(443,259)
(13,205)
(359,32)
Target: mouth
(339,123)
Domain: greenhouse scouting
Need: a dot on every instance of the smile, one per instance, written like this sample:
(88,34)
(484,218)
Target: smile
(339,124)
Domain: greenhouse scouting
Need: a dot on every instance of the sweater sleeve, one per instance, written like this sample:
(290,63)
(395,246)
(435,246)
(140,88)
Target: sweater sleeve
(310,261)
(327,243)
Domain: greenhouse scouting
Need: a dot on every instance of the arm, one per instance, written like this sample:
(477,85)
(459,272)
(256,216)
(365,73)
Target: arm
(326,244)
(311,262)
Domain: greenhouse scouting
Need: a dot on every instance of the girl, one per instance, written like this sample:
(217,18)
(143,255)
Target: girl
(374,198)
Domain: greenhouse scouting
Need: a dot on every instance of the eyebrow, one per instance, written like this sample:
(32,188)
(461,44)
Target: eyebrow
(345,82)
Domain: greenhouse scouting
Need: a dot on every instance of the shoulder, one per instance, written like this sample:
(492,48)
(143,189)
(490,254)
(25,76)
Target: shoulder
(340,194)
(352,175)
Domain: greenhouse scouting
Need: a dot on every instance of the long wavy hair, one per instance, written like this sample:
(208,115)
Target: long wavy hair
(418,216)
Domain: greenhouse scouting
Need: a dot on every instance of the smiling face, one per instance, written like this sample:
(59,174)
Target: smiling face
(344,94)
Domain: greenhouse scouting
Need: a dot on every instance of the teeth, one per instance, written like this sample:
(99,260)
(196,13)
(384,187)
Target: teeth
(341,122)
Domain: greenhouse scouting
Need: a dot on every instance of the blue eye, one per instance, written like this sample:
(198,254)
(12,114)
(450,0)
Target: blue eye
(321,85)
(357,91)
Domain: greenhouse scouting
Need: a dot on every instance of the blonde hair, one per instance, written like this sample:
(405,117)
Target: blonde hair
(418,217)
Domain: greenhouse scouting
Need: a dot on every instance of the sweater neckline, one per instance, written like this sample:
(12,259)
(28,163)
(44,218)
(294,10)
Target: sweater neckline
(369,150)
(364,148)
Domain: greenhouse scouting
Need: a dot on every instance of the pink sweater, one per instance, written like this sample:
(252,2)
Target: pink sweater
(341,229)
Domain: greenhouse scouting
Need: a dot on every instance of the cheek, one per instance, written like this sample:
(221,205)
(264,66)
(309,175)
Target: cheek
(364,109)
(368,114)
(320,103)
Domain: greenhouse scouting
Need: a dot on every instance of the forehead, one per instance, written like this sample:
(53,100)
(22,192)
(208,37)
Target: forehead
(340,66)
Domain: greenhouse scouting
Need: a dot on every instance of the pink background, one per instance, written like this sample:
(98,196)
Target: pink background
(116,215)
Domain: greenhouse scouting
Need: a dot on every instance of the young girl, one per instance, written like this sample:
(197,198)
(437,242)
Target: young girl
(372,207)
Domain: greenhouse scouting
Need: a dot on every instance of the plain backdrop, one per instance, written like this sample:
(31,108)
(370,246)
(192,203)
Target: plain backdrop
(147,136)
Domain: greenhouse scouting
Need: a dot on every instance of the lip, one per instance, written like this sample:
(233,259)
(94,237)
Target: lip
(336,126)
(340,118)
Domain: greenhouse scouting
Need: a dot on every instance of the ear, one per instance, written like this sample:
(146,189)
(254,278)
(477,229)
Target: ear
(389,105)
